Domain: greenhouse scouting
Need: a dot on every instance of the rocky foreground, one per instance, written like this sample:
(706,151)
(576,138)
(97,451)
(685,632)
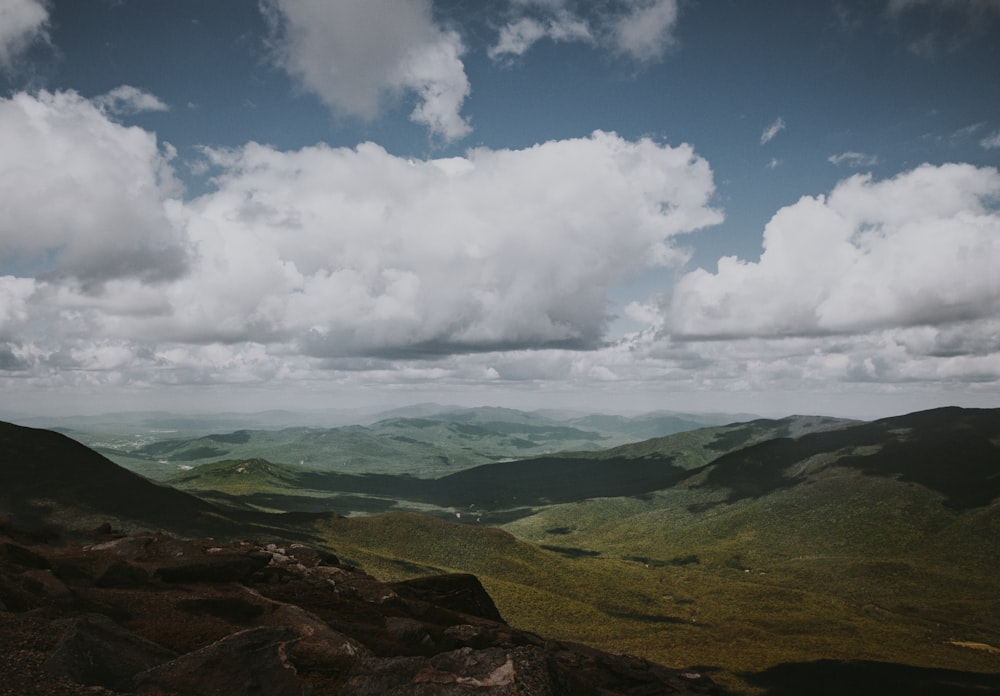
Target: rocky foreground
(154,614)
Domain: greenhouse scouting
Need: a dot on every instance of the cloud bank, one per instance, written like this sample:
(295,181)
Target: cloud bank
(353,268)
(321,254)
(359,252)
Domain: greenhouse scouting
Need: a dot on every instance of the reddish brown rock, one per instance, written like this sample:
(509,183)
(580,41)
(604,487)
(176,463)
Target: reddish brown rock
(154,614)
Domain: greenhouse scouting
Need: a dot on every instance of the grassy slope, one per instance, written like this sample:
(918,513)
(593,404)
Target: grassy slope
(835,551)
(846,607)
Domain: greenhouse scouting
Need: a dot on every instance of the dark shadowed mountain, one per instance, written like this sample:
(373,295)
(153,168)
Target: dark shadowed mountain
(952,451)
(46,478)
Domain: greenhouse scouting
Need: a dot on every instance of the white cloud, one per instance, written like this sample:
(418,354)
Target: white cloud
(348,265)
(645,31)
(351,252)
(991,142)
(520,35)
(772,130)
(357,55)
(642,30)
(14,296)
(348,270)
(853,159)
(21,23)
(919,249)
(127,100)
(517,37)
(82,195)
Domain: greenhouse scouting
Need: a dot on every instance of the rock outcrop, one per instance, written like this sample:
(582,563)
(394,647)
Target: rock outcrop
(157,615)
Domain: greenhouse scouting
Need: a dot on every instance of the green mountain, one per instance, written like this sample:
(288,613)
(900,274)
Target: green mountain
(426,442)
(501,491)
(876,541)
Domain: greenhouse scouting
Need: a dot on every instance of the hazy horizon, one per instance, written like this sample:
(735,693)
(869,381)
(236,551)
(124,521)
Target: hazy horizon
(335,415)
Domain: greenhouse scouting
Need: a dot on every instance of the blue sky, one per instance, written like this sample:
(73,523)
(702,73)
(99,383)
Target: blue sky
(615,205)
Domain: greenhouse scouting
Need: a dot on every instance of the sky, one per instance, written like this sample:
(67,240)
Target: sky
(771,207)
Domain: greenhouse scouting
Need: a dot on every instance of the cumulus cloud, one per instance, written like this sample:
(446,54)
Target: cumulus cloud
(772,130)
(22,22)
(359,55)
(919,249)
(359,252)
(14,295)
(352,263)
(127,100)
(352,267)
(853,159)
(642,30)
(84,196)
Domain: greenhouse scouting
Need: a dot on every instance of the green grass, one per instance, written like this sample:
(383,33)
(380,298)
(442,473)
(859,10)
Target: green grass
(824,573)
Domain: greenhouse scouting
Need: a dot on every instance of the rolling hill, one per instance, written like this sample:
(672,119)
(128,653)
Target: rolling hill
(499,491)
(875,541)
(425,441)
(759,551)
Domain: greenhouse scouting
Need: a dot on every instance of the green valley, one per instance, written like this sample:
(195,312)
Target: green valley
(750,550)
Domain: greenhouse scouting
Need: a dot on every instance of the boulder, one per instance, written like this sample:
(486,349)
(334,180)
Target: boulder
(253,661)
(491,672)
(44,582)
(202,618)
(459,592)
(18,555)
(216,567)
(95,651)
(120,573)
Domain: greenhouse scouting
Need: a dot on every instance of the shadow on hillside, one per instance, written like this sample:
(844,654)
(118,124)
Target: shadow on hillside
(863,678)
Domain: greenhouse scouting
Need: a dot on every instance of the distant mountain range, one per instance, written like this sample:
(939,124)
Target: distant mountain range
(425,440)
